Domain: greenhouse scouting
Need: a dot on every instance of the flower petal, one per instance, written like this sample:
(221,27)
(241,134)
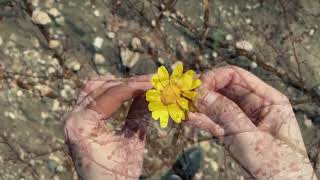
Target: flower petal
(164,120)
(176,113)
(177,71)
(164,117)
(156,82)
(163,74)
(153,95)
(190,73)
(156,106)
(189,94)
(186,82)
(196,83)
(183,103)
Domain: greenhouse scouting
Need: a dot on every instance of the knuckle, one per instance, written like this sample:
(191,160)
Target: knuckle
(69,124)
(284,98)
(234,68)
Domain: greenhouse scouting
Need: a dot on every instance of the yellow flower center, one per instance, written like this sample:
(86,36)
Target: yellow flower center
(170,94)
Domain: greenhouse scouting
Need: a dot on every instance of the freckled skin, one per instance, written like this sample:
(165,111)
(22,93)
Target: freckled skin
(104,154)
(255,123)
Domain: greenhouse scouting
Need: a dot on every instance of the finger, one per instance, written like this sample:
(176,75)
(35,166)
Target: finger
(141,78)
(203,122)
(94,87)
(97,81)
(242,87)
(87,120)
(99,84)
(115,96)
(223,112)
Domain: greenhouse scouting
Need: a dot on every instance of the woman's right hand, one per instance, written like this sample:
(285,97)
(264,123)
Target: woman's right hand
(255,123)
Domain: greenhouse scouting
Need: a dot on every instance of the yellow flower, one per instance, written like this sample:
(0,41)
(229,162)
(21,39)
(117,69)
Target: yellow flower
(171,95)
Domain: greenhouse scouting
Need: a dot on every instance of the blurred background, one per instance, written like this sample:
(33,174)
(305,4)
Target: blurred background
(49,48)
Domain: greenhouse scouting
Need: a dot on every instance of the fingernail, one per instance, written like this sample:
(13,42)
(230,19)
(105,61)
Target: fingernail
(205,98)
(210,98)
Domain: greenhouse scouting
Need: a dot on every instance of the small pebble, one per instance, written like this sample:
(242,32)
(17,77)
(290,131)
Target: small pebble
(40,17)
(244,45)
(98,42)
(102,70)
(35,3)
(184,44)
(135,43)
(44,115)
(311,32)
(55,105)
(99,59)
(214,54)
(44,89)
(54,12)
(248,21)
(129,58)
(19,93)
(53,44)
(60,20)
(96,13)
(253,65)
(214,165)
(229,37)
(35,42)
(153,23)
(307,122)
(13,37)
(205,145)
(51,70)
(1,41)
(32,162)
(161,60)
(75,65)
(111,35)
(60,168)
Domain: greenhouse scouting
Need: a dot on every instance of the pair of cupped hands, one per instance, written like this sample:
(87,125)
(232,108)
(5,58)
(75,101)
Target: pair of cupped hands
(253,121)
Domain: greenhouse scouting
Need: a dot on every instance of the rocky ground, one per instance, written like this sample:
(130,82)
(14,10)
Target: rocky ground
(48,48)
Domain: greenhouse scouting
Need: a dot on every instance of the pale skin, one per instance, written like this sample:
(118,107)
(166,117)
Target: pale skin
(100,154)
(254,122)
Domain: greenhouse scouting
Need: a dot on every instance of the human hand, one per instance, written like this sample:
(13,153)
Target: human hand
(100,153)
(255,123)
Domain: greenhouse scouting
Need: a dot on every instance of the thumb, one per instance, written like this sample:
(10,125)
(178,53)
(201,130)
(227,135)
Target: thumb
(223,112)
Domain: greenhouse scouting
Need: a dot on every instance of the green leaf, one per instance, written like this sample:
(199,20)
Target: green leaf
(218,36)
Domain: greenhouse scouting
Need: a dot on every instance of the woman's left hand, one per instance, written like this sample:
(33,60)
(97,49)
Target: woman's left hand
(99,153)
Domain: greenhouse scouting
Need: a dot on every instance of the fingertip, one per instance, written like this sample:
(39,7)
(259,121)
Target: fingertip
(140,86)
(191,117)
(146,77)
(203,122)
(142,82)
(208,80)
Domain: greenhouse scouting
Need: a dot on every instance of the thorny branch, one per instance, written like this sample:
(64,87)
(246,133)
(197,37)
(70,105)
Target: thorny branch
(13,148)
(201,37)
(206,16)
(183,22)
(66,72)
